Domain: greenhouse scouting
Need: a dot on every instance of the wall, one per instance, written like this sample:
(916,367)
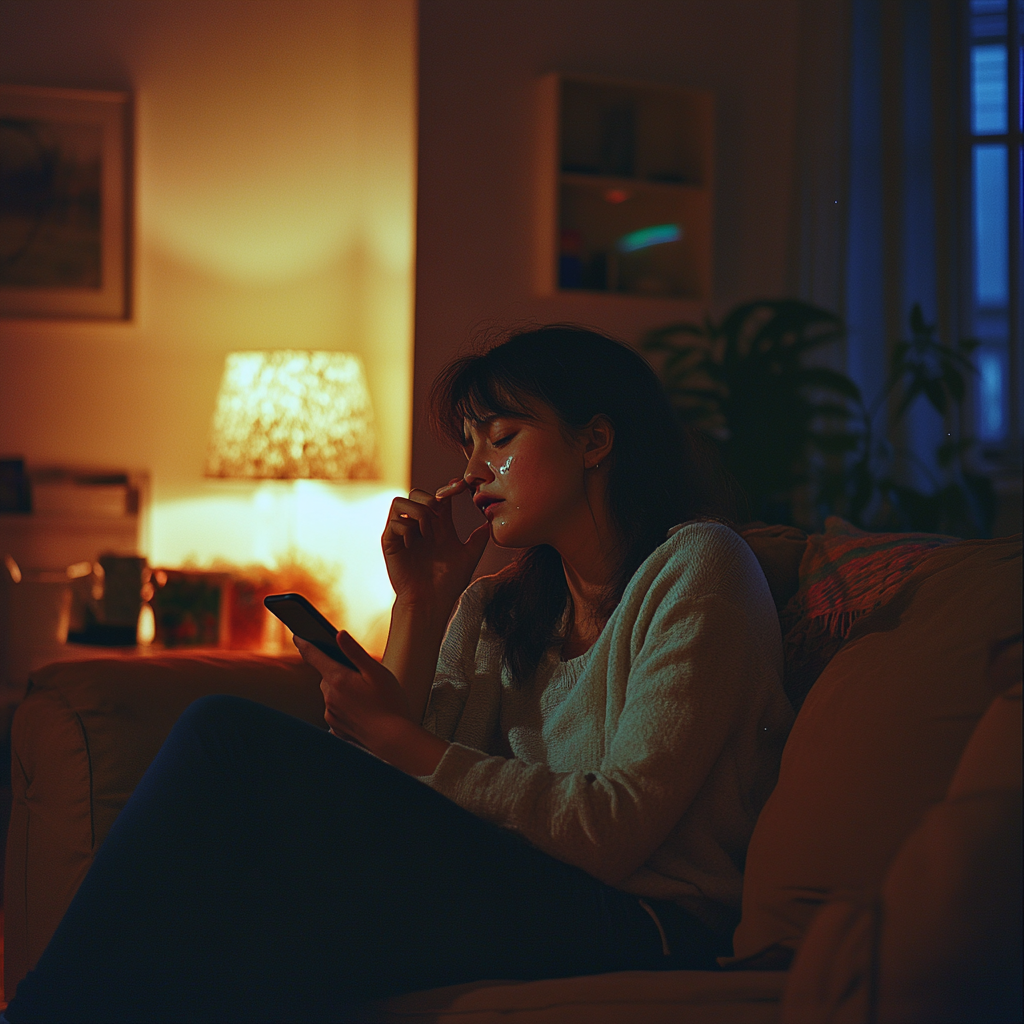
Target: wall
(274,199)
(274,172)
(478,64)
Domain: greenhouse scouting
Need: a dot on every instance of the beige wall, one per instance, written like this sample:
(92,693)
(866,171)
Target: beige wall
(478,63)
(275,170)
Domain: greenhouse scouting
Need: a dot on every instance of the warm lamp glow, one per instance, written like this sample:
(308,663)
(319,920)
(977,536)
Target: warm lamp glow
(291,415)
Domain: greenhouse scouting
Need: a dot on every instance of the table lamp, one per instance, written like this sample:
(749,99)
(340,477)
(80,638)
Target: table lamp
(296,417)
(293,415)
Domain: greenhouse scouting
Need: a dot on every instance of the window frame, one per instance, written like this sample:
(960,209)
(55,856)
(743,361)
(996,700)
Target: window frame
(1004,455)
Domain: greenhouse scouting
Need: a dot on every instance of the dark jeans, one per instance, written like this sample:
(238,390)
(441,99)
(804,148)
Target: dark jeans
(265,870)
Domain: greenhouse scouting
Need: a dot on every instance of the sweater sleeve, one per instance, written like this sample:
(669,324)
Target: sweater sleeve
(687,645)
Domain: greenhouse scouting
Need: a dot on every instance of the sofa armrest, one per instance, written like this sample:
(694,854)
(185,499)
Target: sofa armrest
(81,741)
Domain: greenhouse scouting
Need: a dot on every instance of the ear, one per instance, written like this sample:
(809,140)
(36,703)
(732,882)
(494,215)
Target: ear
(598,438)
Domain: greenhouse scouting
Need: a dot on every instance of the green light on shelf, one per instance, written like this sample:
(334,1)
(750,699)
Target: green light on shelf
(646,237)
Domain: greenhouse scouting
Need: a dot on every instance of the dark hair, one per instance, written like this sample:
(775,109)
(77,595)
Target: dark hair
(660,473)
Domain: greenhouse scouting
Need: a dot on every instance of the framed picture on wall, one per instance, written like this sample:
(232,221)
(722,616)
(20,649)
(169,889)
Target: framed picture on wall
(64,203)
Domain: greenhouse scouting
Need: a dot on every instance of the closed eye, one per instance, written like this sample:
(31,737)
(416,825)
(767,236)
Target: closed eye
(501,442)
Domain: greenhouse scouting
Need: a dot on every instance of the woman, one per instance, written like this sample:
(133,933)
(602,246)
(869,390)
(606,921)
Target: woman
(561,781)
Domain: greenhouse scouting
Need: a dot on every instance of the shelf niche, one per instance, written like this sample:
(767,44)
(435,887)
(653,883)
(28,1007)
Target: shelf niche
(626,189)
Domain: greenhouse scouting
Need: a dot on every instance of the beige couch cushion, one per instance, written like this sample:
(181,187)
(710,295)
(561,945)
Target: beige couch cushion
(779,550)
(942,940)
(81,741)
(877,741)
(629,997)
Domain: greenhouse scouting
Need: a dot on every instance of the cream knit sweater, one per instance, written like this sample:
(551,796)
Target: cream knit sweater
(646,760)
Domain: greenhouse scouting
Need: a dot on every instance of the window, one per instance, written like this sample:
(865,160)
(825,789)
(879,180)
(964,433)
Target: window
(993,166)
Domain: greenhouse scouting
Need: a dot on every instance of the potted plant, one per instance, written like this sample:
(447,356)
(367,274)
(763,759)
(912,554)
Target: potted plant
(800,440)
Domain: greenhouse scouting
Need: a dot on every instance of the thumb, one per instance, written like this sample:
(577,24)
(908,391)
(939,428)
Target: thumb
(350,646)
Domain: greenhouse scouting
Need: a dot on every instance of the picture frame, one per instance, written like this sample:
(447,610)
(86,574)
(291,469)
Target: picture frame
(64,203)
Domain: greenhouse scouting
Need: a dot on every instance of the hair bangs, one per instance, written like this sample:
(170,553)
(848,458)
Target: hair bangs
(475,389)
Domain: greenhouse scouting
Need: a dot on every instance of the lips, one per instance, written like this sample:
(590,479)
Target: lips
(486,503)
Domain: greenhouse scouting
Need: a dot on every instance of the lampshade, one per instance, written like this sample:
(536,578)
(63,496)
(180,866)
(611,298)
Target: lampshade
(293,415)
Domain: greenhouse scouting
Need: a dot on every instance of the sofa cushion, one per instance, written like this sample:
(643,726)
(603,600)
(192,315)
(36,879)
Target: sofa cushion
(942,941)
(844,573)
(628,997)
(877,741)
(779,550)
(81,741)
(950,941)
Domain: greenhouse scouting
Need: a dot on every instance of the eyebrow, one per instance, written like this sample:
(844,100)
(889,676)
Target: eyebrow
(467,441)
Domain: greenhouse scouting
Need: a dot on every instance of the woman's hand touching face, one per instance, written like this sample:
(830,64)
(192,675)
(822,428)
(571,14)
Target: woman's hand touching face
(427,563)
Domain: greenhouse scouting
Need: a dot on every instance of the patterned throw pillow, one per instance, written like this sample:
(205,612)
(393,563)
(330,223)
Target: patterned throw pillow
(845,573)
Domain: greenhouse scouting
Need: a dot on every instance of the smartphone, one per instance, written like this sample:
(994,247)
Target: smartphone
(305,621)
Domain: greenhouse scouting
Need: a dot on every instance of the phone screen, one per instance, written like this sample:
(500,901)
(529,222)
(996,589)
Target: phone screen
(307,622)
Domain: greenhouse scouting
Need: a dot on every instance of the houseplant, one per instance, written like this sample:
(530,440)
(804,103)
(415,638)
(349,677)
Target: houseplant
(800,440)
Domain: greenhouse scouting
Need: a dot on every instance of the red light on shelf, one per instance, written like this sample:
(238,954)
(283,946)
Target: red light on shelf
(616,195)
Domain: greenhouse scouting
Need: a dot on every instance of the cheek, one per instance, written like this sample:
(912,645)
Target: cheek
(534,480)
(501,469)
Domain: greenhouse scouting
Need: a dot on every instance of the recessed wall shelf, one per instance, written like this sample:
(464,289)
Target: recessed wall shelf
(626,188)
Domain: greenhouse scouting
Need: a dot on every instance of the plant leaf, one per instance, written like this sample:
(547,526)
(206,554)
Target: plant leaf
(917,322)
(951,451)
(831,380)
(936,394)
(954,382)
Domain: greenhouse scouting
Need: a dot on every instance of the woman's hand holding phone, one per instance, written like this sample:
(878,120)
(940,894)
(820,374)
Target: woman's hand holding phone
(367,705)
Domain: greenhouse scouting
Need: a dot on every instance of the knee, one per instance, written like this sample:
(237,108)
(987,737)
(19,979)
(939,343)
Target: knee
(220,734)
(215,709)
(222,720)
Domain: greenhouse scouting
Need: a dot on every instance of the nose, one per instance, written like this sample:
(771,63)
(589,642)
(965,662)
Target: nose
(478,471)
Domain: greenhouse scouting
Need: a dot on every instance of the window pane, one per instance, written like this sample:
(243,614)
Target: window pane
(988,18)
(988,89)
(991,395)
(991,226)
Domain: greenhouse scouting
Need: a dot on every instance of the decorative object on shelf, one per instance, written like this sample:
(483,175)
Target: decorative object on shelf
(250,626)
(222,605)
(293,415)
(64,215)
(189,608)
(799,440)
(106,599)
(626,188)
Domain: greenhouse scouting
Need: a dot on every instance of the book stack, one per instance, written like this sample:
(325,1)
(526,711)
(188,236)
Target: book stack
(80,494)
(74,515)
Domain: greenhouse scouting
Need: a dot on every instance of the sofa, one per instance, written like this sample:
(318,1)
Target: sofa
(882,881)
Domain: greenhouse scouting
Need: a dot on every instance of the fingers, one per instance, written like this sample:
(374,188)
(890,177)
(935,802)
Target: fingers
(418,514)
(450,489)
(409,518)
(422,497)
(411,508)
(314,657)
(350,646)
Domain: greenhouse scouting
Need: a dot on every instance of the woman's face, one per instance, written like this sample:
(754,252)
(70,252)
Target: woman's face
(527,477)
